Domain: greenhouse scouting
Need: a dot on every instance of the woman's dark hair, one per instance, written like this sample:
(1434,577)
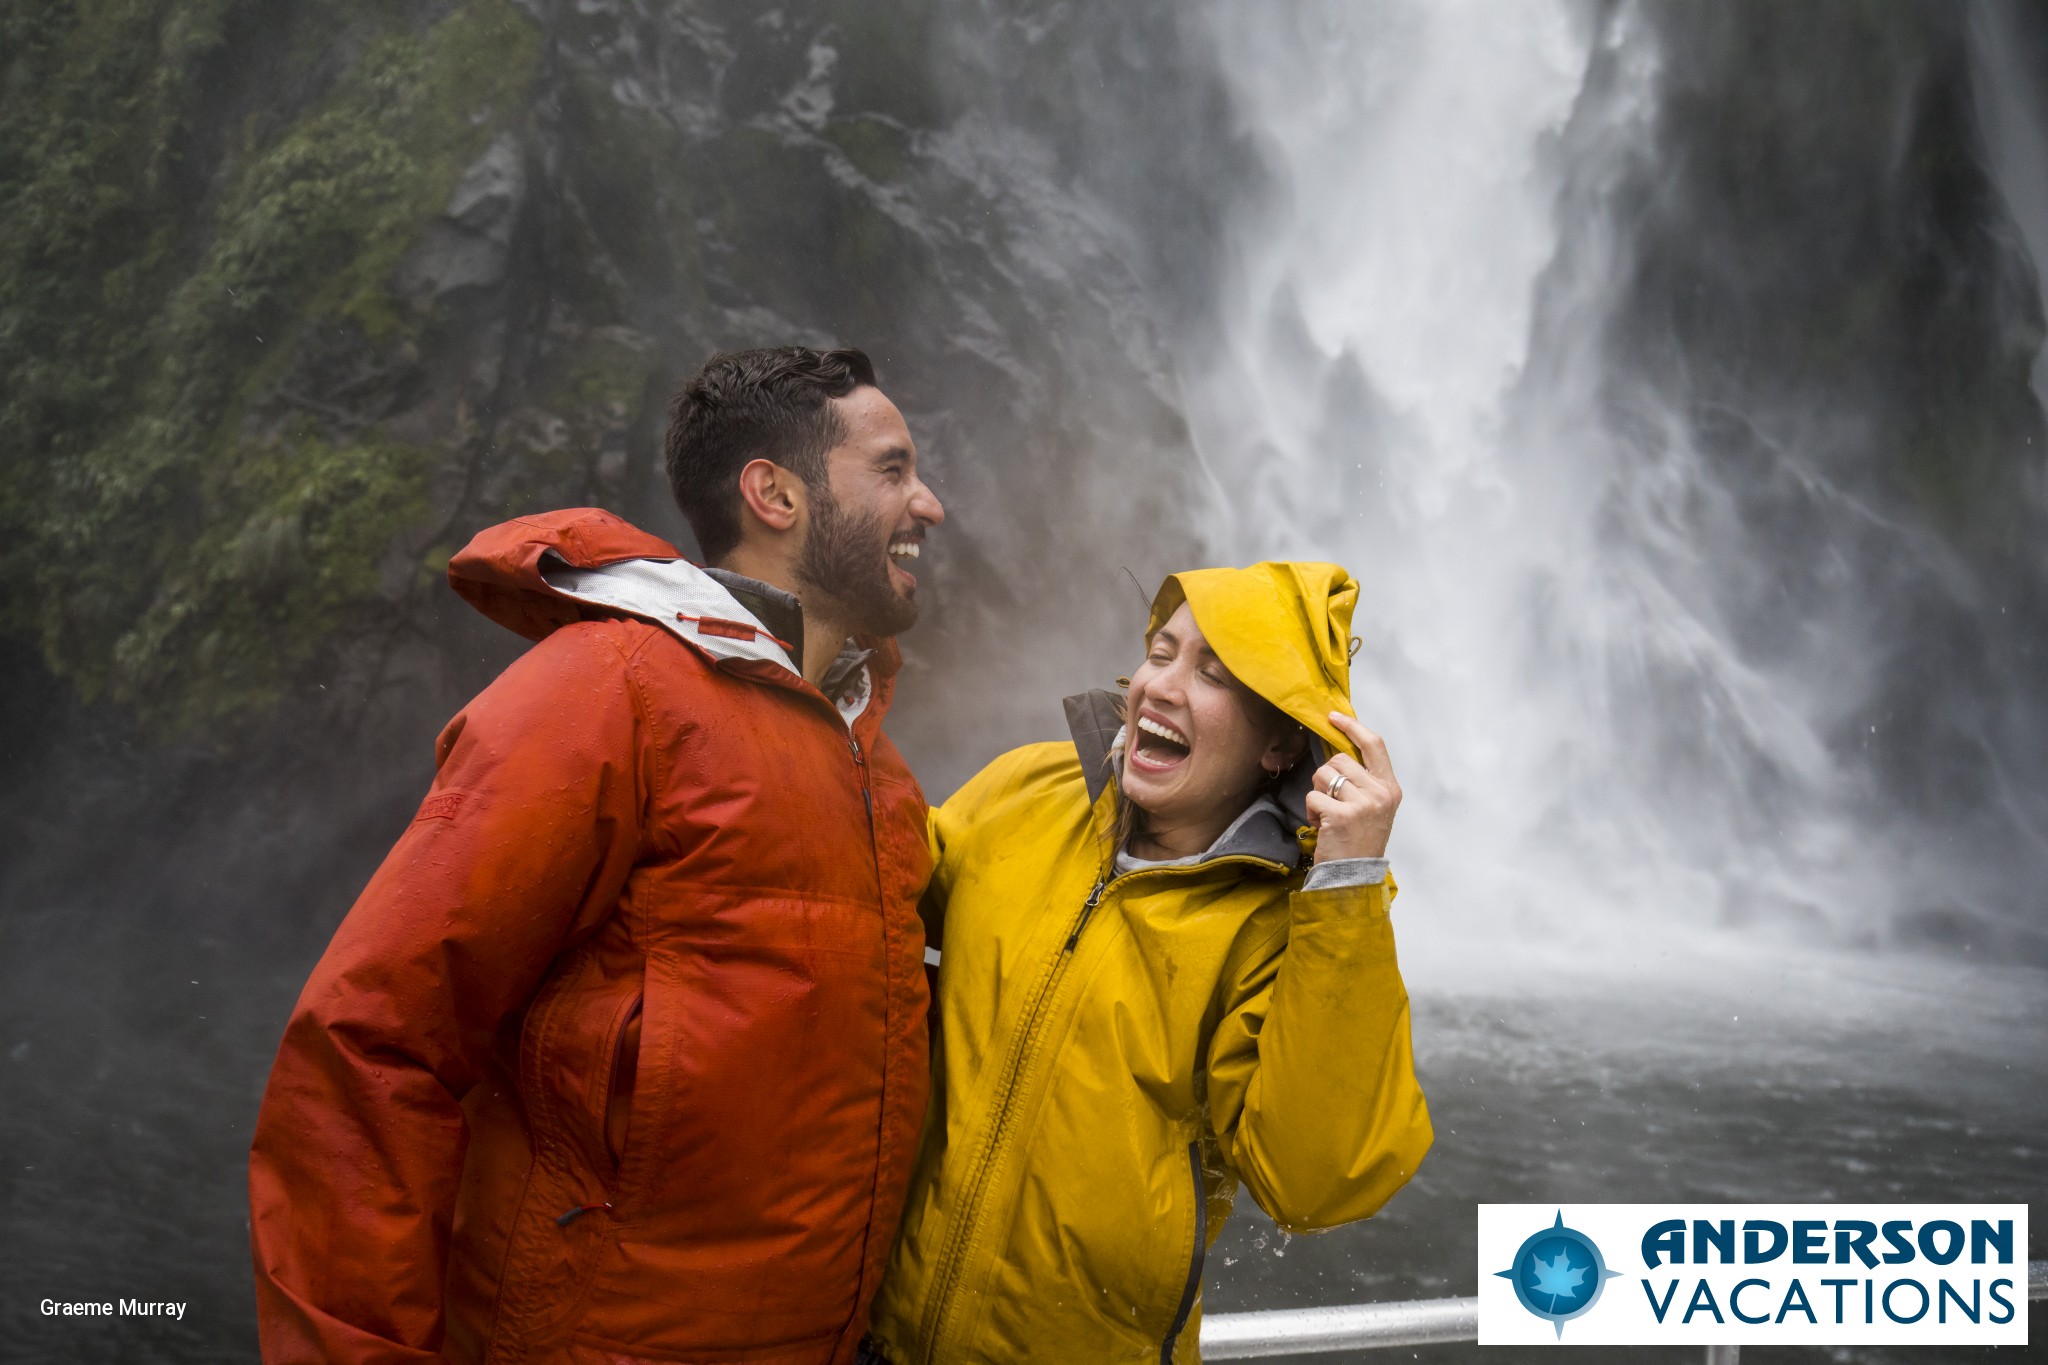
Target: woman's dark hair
(1129,819)
(773,403)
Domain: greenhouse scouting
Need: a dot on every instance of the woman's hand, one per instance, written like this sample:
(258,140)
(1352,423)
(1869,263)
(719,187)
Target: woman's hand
(1353,803)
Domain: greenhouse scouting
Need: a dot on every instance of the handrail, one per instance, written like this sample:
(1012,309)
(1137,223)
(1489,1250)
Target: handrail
(1413,1322)
(1307,1331)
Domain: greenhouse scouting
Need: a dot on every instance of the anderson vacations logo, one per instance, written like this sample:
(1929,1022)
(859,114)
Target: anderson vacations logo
(1807,1274)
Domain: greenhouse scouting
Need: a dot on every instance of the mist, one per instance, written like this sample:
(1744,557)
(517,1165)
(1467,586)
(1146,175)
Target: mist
(1671,377)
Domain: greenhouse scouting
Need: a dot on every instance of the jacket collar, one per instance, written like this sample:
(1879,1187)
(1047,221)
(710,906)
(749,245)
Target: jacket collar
(727,615)
(779,611)
(538,573)
(1095,719)
(845,681)
(681,598)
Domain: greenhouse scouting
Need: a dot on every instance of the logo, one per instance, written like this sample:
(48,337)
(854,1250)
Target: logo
(1838,1274)
(1558,1273)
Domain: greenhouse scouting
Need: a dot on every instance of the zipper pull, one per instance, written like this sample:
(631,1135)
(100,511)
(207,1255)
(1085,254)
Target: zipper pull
(853,743)
(1094,899)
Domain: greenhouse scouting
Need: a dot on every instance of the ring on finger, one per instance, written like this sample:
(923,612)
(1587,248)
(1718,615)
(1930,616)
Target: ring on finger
(1337,784)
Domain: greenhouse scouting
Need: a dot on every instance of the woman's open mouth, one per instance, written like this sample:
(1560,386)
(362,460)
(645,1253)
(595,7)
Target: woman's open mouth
(1157,746)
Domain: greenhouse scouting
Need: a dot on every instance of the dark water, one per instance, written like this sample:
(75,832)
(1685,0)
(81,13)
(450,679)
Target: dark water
(1827,1079)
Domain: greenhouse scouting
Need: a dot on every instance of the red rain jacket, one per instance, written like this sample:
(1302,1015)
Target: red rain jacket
(651,945)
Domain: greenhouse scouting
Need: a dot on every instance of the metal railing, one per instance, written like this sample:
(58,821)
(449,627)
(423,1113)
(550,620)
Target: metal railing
(1416,1322)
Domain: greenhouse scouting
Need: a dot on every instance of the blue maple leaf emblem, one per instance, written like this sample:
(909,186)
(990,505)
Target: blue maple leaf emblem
(1551,1285)
(1556,1277)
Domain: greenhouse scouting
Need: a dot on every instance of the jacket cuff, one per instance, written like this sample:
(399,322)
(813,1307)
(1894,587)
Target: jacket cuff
(1346,872)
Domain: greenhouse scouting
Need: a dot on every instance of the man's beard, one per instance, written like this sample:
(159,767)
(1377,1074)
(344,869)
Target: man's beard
(845,560)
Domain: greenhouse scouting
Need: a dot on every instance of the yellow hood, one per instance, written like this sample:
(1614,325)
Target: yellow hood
(1284,629)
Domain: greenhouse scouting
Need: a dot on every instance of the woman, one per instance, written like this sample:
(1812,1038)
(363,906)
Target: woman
(1147,996)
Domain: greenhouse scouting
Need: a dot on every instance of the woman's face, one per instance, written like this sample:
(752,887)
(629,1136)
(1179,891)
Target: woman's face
(1198,743)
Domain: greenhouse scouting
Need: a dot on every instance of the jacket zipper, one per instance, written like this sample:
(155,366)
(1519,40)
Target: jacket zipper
(1087,909)
(961,1238)
(867,794)
(1193,1288)
(1020,1053)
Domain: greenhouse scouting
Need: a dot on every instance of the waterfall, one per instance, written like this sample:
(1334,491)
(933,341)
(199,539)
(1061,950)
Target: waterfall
(2012,110)
(1414,380)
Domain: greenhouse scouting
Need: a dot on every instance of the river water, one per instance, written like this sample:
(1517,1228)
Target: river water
(1693,1076)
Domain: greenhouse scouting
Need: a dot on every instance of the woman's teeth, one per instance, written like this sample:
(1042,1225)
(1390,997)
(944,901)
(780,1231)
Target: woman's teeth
(904,550)
(1165,732)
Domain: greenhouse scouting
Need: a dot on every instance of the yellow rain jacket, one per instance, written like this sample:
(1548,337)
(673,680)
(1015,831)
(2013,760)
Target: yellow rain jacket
(1118,1053)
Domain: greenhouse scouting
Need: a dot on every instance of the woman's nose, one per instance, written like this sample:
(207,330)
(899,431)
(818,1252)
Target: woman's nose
(1169,686)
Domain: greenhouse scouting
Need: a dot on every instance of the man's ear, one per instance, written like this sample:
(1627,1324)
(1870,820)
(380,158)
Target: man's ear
(773,495)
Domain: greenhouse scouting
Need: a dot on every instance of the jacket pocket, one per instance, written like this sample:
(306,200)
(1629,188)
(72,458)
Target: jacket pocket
(1192,1289)
(625,1075)
(579,1041)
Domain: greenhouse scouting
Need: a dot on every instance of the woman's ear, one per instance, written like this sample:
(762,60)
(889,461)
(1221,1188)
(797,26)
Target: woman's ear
(1285,751)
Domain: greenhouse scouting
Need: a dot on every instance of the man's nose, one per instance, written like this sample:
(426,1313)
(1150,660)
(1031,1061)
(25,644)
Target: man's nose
(924,505)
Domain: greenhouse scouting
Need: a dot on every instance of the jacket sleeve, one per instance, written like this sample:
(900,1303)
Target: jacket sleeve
(523,845)
(1312,1088)
(931,907)
(951,825)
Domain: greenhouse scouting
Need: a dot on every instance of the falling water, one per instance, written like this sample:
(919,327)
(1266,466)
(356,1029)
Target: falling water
(2012,104)
(1414,380)
(1607,759)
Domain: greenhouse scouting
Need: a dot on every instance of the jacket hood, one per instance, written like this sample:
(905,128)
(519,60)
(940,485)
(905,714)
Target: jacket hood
(1284,630)
(536,574)
(499,572)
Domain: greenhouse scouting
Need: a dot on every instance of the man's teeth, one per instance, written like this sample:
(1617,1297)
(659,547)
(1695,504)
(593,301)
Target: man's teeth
(1165,732)
(905,550)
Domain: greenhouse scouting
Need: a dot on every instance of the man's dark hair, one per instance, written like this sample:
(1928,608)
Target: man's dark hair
(768,404)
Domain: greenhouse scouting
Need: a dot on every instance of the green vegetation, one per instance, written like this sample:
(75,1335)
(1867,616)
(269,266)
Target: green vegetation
(163,255)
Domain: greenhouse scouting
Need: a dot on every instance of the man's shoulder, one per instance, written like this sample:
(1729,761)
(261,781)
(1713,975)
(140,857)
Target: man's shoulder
(622,644)
(618,655)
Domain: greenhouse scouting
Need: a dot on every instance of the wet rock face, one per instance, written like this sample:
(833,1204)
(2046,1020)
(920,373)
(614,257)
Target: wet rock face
(486,242)
(470,245)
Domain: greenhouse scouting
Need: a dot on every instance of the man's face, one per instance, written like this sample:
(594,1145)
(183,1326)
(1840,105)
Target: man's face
(866,527)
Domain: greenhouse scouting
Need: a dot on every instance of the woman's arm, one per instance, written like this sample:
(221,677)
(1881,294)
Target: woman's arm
(1312,1088)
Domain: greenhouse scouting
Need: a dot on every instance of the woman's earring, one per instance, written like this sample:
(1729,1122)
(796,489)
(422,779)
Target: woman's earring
(1124,683)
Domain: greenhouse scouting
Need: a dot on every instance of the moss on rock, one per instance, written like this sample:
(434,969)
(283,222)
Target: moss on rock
(188,557)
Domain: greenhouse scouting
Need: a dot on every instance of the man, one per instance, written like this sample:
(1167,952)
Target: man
(620,1056)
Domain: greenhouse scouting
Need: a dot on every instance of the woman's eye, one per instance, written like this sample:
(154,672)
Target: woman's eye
(1211,676)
